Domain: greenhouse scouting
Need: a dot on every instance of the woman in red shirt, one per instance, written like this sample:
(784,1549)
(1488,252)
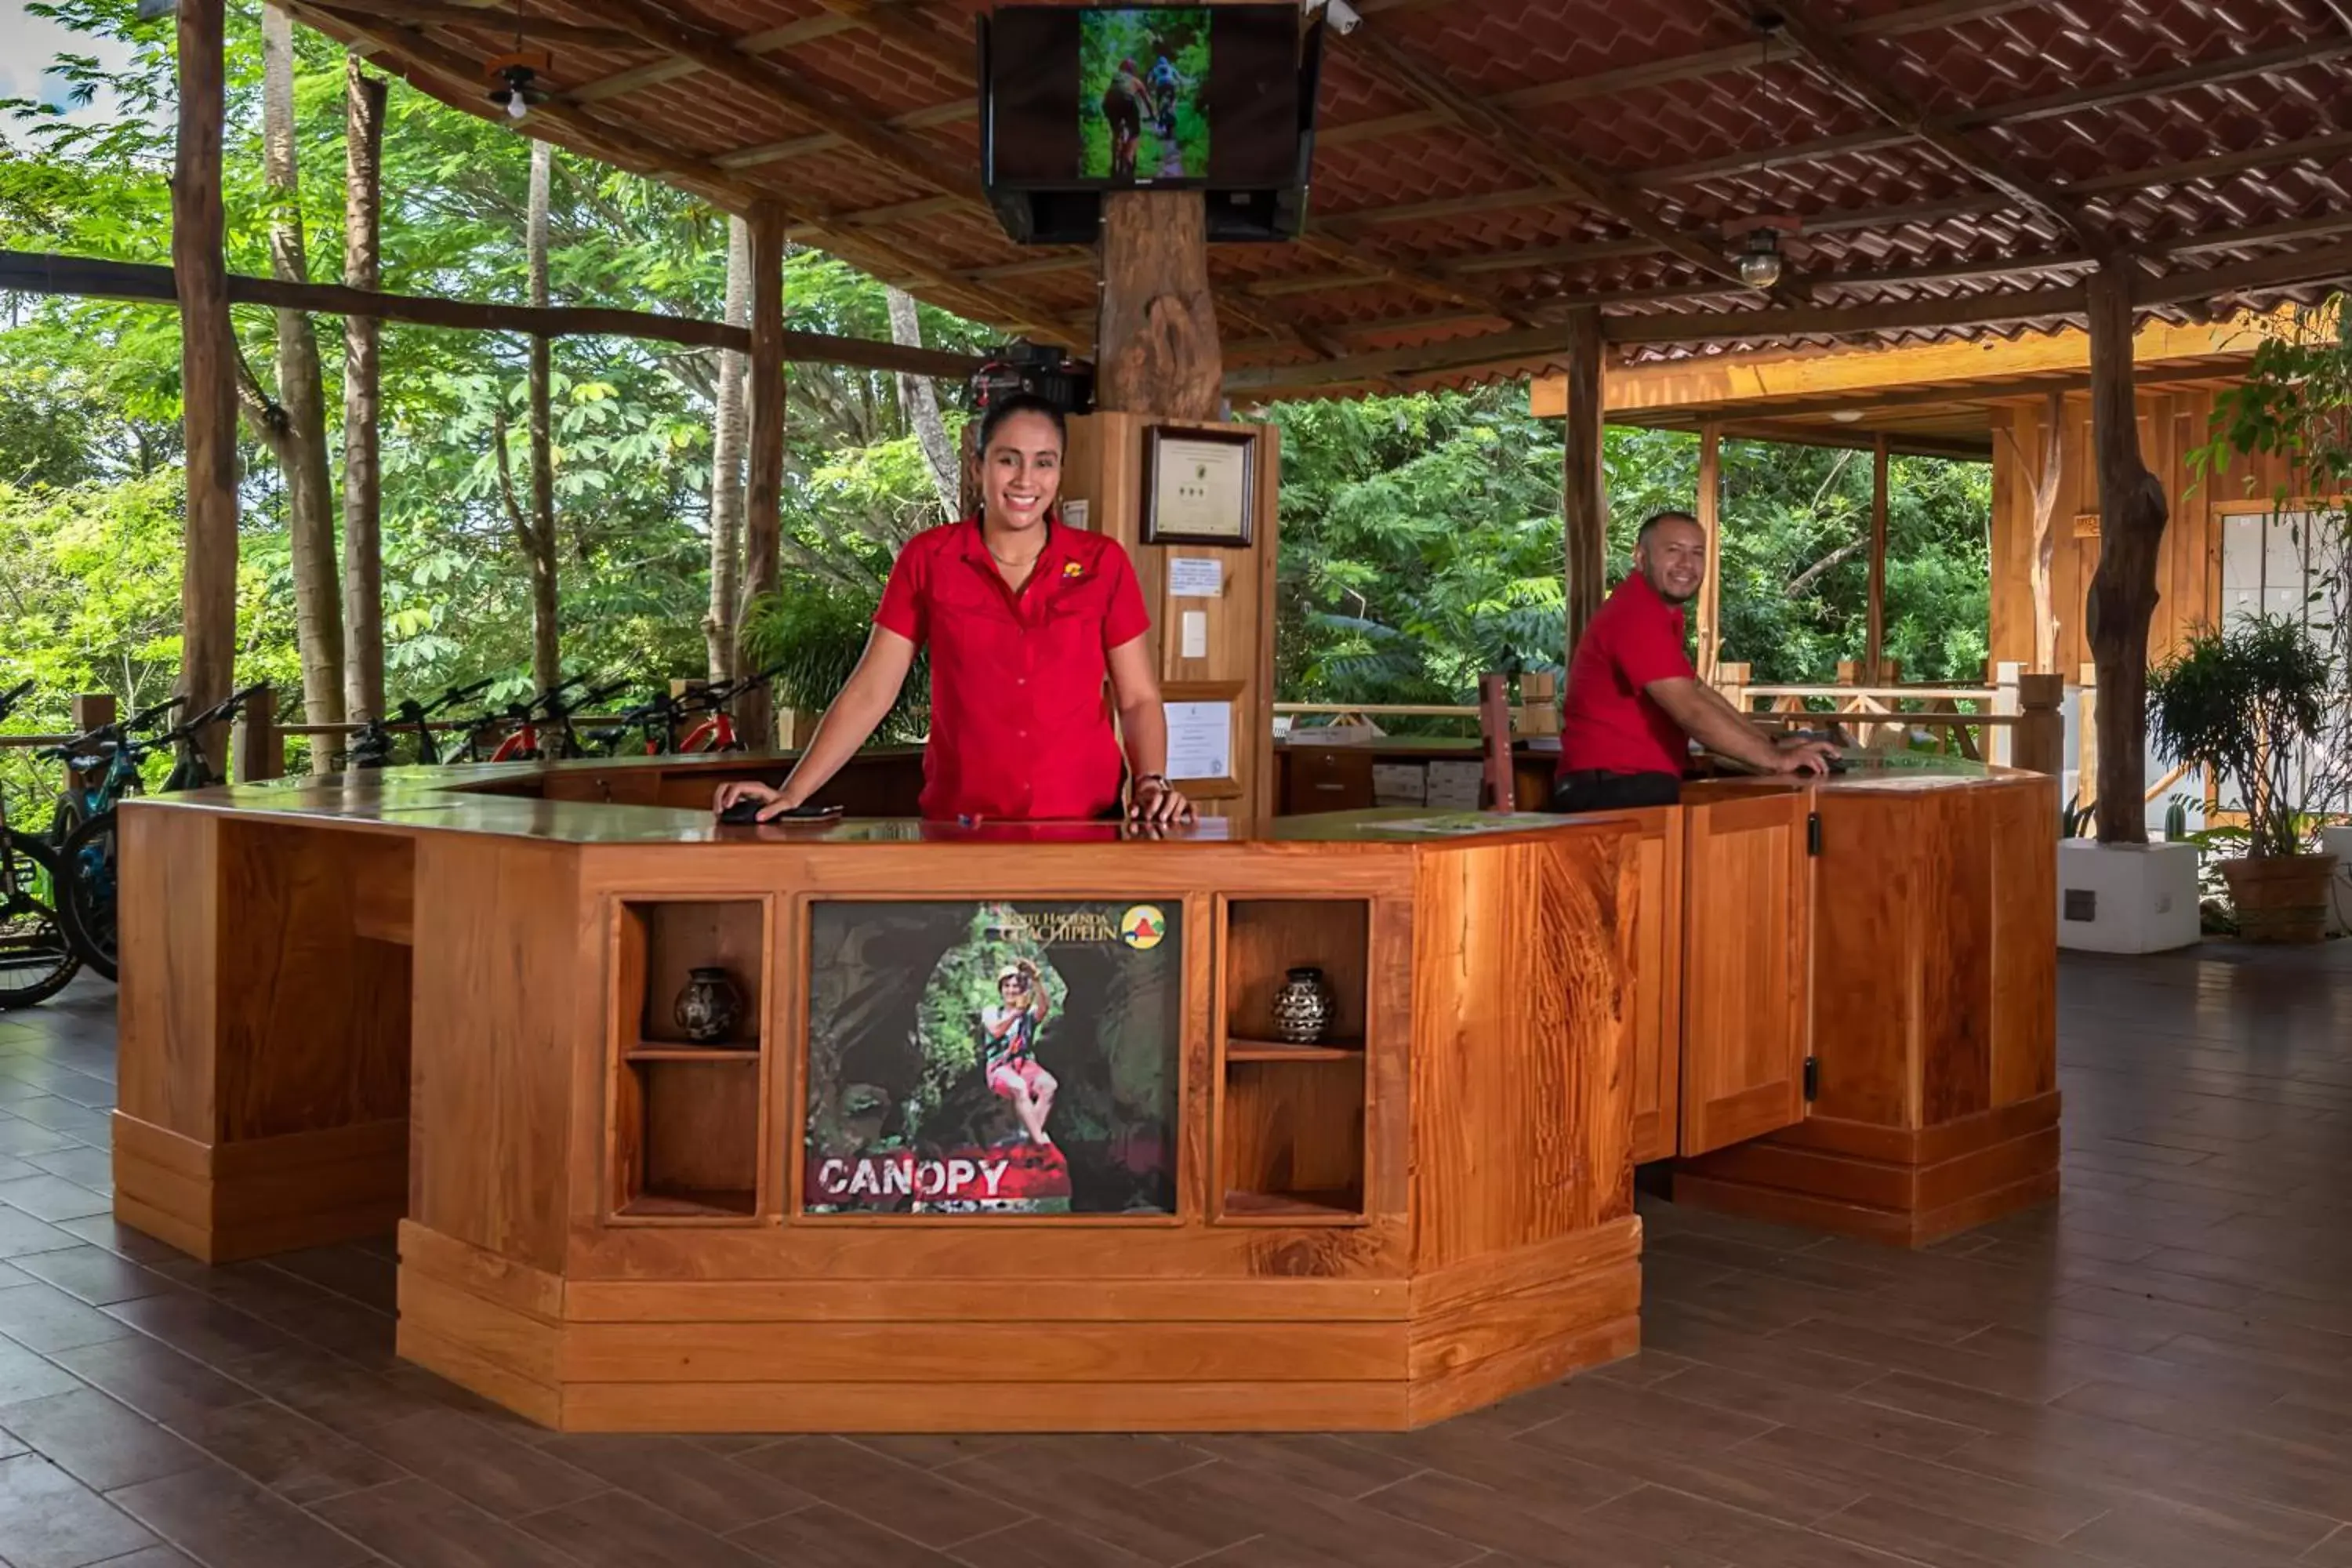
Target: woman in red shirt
(1024,617)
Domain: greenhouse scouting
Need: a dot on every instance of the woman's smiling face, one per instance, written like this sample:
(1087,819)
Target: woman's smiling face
(1022,471)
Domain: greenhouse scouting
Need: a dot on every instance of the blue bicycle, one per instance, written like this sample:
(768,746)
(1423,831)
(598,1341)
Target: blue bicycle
(36,959)
(89,860)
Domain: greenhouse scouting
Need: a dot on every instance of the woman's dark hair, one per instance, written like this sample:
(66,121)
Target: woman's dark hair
(1021,403)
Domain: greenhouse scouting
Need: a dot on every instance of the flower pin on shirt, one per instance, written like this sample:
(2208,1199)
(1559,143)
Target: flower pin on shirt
(1072,569)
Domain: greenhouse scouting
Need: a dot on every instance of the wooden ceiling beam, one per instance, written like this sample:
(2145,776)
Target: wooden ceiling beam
(500,24)
(627,148)
(673,68)
(1522,147)
(1834,59)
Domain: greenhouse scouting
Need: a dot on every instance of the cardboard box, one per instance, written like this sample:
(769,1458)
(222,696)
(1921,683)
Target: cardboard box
(1400,784)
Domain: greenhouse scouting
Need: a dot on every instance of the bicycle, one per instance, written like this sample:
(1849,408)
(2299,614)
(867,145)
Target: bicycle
(36,959)
(90,862)
(550,710)
(371,744)
(84,756)
(658,719)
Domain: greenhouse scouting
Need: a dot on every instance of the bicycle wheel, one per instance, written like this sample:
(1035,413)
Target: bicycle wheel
(36,958)
(88,871)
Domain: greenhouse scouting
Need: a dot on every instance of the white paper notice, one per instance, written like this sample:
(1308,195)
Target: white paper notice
(1074,512)
(1192,577)
(1200,739)
(1196,635)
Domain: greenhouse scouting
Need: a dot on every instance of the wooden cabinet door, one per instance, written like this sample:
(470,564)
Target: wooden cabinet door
(1657,985)
(1746,903)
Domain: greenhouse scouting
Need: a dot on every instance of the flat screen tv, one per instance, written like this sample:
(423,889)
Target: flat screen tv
(1078,100)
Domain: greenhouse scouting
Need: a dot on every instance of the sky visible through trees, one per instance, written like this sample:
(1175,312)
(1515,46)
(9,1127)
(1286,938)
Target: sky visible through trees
(1420,535)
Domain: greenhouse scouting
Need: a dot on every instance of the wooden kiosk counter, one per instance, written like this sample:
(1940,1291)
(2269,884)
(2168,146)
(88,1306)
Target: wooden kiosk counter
(465,1001)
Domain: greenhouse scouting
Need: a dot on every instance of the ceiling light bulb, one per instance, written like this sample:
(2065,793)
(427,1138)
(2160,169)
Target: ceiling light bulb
(517,107)
(1759,269)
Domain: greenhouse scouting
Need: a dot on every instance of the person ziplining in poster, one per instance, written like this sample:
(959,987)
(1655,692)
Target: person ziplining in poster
(1009,1059)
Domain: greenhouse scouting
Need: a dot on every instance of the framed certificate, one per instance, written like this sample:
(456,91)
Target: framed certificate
(1200,486)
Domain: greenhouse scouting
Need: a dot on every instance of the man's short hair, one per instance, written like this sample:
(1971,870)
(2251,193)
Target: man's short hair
(1650,523)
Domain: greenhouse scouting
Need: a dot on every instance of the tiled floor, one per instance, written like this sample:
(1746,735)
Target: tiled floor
(2159,1371)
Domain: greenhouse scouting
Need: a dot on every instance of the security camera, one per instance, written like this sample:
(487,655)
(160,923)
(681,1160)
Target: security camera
(1344,16)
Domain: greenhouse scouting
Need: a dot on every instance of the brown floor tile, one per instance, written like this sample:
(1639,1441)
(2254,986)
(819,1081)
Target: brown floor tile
(153,1379)
(40,1317)
(21,1232)
(2044,1510)
(485,1467)
(2153,1531)
(299,1459)
(1160,1528)
(224,1520)
(1323,1465)
(712,1490)
(1682,1520)
(910,1502)
(197,1326)
(1736,1478)
(1943,1540)
(26,1375)
(49,1519)
(1831,1415)
(931,1451)
(827,1536)
(417,1525)
(367,1278)
(149,1557)
(615,1529)
(1040,1544)
(100,1443)
(1452,1449)
(1530,1525)
(1362,1536)
(92,1274)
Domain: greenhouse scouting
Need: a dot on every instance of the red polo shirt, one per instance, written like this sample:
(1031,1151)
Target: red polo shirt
(1021,718)
(1608,722)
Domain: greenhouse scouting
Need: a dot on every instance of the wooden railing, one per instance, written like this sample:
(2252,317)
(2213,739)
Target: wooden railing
(2017,721)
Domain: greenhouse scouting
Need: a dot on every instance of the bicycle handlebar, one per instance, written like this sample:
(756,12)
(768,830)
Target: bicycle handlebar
(140,720)
(452,697)
(13,695)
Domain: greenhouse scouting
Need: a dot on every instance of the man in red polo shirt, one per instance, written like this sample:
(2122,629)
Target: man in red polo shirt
(1635,703)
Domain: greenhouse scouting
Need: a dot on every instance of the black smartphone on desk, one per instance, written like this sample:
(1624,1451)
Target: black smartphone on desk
(747,813)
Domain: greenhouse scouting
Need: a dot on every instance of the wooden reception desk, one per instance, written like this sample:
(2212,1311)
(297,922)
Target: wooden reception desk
(444,1000)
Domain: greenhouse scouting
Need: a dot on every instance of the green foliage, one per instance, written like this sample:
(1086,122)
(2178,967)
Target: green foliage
(947,1019)
(1421,546)
(1143,36)
(812,635)
(2247,702)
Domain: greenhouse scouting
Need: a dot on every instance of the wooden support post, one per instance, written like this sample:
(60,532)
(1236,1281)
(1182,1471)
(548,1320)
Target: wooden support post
(1731,679)
(1710,523)
(89,710)
(1875,634)
(2039,742)
(2122,599)
(1496,789)
(364,97)
(207,371)
(2087,760)
(1584,495)
(1156,349)
(764,487)
(258,747)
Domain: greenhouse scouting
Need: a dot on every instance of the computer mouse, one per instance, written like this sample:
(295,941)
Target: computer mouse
(742,811)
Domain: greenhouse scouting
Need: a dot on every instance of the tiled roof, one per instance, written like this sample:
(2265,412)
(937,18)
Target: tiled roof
(1484,166)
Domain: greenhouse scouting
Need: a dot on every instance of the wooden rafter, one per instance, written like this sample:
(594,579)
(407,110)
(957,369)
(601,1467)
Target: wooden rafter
(1838,64)
(597,135)
(90,277)
(442,14)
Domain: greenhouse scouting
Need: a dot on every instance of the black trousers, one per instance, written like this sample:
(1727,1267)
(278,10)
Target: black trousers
(1596,791)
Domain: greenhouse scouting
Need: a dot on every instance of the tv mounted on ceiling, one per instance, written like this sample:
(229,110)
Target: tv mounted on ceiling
(1080,100)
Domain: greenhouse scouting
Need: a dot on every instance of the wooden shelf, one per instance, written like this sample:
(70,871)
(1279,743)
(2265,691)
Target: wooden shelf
(1292,1207)
(718,1203)
(1240,1050)
(660,1051)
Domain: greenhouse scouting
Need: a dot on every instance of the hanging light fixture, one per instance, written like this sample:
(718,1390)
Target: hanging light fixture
(1758,257)
(517,75)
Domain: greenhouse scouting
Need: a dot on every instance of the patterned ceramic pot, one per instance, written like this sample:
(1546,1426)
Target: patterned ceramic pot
(709,1007)
(1302,1007)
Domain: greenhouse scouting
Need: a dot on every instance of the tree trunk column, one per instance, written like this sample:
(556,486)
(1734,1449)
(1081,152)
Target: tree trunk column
(1873,663)
(764,491)
(1584,496)
(363,471)
(2122,600)
(208,372)
(1156,345)
(1710,523)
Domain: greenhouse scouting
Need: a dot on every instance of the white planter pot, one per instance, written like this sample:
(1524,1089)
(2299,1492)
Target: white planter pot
(2126,898)
(2338,841)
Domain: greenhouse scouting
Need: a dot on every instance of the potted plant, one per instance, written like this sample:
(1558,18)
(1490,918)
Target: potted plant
(2249,701)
